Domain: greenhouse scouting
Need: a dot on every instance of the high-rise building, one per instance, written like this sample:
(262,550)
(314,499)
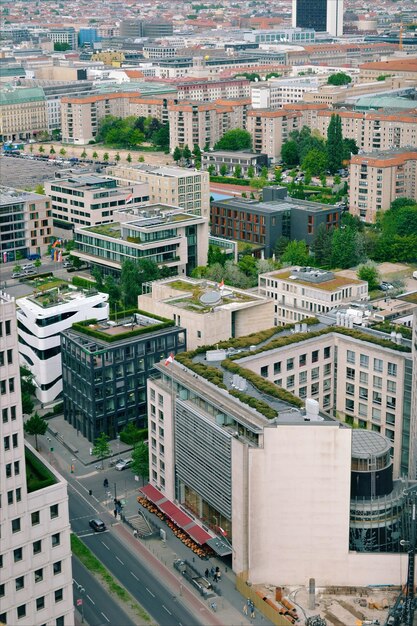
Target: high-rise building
(35,559)
(131,29)
(322,15)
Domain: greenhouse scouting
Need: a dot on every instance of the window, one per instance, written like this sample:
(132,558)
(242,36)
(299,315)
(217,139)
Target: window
(20,583)
(350,389)
(378,365)
(8,327)
(363,378)
(376,414)
(11,385)
(14,440)
(18,494)
(264,371)
(315,373)
(302,377)
(16,465)
(327,352)
(327,369)
(390,418)
(38,575)
(363,393)
(2,588)
(314,389)
(37,546)
(40,603)
(327,384)
(314,356)
(53,511)
(290,381)
(5,415)
(362,409)
(36,518)
(350,356)
(392,369)
(17,554)
(350,373)
(377,380)
(59,621)
(391,402)
(390,434)
(21,611)
(59,595)
(10,498)
(3,616)
(16,525)
(8,470)
(302,360)
(6,443)
(290,364)
(350,405)
(277,367)
(56,540)
(376,397)
(364,360)
(391,386)
(302,392)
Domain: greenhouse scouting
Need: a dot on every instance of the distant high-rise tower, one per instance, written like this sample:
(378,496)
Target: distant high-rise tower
(322,15)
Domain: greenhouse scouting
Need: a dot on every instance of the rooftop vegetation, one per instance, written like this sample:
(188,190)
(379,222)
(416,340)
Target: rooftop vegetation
(90,327)
(37,475)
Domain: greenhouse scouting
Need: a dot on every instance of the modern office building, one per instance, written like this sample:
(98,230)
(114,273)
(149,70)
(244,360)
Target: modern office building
(23,113)
(215,453)
(35,561)
(207,312)
(229,159)
(66,35)
(299,292)
(41,318)
(161,233)
(91,199)
(272,94)
(378,178)
(188,189)
(25,224)
(320,15)
(261,224)
(131,29)
(157,29)
(105,367)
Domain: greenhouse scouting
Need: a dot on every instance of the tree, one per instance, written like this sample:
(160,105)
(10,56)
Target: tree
(307,177)
(101,447)
(347,247)
(27,389)
(238,171)
(41,149)
(117,157)
(114,291)
(264,172)
(83,154)
(16,268)
(98,277)
(223,169)
(36,425)
(106,156)
(197,152)
(349,147)
(334,144)
(177,154)
(75,261)
(140,460)
(186,153)
(321,246)
(296,253)
(52,150)
(258,183)
(211,169)
(95,155)
(129,158)
(61,46)
(37,263)
(315,162)
(120,132)
(340,78)
(289,153)
(251,171)
(141,159)
(62,152)
(280,246)
(369,272)
(160,137)
(247,265)
(215,255)
(235,139)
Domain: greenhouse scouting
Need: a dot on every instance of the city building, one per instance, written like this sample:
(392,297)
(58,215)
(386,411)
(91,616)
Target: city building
(274,94)
(321,15)
(261,224)
(161,233)
(209,314)
(131,29)
(105,389)
(413,422)
(91,199)
(228,159)
(378,178)
(88,37)
(157,29)
(270,129)
(36,572)
(188,189)
(25,224)
(209,91)
(66,35)
(40,319)
(23,113)
(281,35)
(300,292)
(405,68)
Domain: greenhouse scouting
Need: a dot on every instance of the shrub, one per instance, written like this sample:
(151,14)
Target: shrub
(131,434)
(78,281)
(260,406)
(37,475)
(230,180)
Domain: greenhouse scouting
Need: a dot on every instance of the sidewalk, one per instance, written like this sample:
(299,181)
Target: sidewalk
(72,451)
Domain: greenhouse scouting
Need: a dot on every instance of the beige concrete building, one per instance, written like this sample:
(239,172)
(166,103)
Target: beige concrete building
(36,572)
(270,129)
(23,113)
(188,189)
(379,178)
(211,90)
(230,313)
(150,107)
(330,94)
(301,292)
(404,68)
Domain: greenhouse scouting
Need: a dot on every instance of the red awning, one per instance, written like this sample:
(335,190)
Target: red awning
(198,534)
(175,514)
(152,493)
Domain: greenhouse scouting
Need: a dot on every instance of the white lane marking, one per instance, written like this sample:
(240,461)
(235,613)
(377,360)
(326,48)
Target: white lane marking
(91,599)
(134,576)
(83,497)
(105,545)
(105,617)
(164,607)
(148,590)
(120,561)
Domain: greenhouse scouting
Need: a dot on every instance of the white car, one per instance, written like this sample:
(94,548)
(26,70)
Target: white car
(123,464)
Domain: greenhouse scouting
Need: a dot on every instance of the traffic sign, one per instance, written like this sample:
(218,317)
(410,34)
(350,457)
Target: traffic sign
(79,602)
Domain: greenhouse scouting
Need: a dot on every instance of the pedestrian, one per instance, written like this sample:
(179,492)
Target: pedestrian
(135,533)
(245,609)
(105,483)
(207,573)
(212,572)
(115,512)
(252,612)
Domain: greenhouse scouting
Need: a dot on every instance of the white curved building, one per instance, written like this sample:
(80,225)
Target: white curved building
(41,319)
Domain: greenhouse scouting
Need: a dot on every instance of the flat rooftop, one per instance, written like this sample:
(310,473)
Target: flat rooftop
(166,172)
(8,195)
(49,293)
(277,206)
(332,284)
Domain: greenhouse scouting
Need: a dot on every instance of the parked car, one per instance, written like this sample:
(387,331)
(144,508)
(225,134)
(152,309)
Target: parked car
(123,464)
(29,271)
(17,274)
(97,525)
(67,264)
(384,286)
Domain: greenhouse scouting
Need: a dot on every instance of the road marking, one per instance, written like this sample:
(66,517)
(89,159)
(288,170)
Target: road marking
(81,496)
(105,617)
(80,534)
(134,576)
(148,590)
(73,519)
(164,607)
(91,599)
(105,545)
(86,475)
(120,561)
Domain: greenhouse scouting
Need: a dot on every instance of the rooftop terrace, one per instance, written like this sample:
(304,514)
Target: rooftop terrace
(333,283)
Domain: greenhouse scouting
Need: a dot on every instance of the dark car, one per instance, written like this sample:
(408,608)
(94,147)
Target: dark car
(97,525)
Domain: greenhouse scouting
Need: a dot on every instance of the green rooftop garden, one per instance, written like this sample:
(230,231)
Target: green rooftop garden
(37,475)
(112,334)
(108,230)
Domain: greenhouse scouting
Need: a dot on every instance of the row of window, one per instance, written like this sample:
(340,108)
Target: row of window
(6,356)
(378,364)
(302,362)
(5,328)
(4,385)
(20,581)
(377,381)
(21,610)
(36,549)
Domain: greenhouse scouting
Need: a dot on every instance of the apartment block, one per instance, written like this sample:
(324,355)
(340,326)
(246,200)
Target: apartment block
(232,159)
(23,113)
(404,68)
(105,389)
(230,313)
(275,93)
(41,318)
(150,107)
(270,129)
(379,178)
(91,199)
(25,224)
(161,233)
(209,91)
(300,292)
(36,572)
(188,189)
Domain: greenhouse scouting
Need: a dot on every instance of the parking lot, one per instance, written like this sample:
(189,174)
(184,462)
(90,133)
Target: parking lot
(27,173)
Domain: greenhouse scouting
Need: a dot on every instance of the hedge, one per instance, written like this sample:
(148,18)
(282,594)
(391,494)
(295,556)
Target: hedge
(230,181)
(35,276)
(131,434)
(259,405)
(37,475)
(83,327)
(78,281)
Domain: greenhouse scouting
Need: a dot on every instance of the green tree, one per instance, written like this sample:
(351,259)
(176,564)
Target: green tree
(215,255)
(140,460)
(258,183)
(160,138)
(264,172)
(106,156)
(16,268)
(52,150)
(141,159)
(102,448)
(235,139)
(315,162)
(177,154)
(340,78)
(186,153)
(133,275)
(223,169)
(83,154)
(334,144)
(129,158)
(349,147)
(321,246)
(238,171)
(114,291)
(27,389)
(40,189)
(120,132)
(98,277)
(211,169)
(61,46)
(369,273)
(36,425)
(197,152)
(37,263)
(307,177)
(117,157)
(62,152)
(289,153)
(296,253)
(347,248)
(95,155)
(41,149)
(251,171)
(248,266)
(75,261)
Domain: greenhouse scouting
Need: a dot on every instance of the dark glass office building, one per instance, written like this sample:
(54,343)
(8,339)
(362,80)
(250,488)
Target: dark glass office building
(104,378)
(312,14)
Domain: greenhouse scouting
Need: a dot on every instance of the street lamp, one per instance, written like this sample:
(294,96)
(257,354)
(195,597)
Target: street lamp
(80,602)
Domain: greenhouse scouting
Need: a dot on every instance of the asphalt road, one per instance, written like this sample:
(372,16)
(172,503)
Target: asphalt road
(99,608)
(18,289)
(132,571)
